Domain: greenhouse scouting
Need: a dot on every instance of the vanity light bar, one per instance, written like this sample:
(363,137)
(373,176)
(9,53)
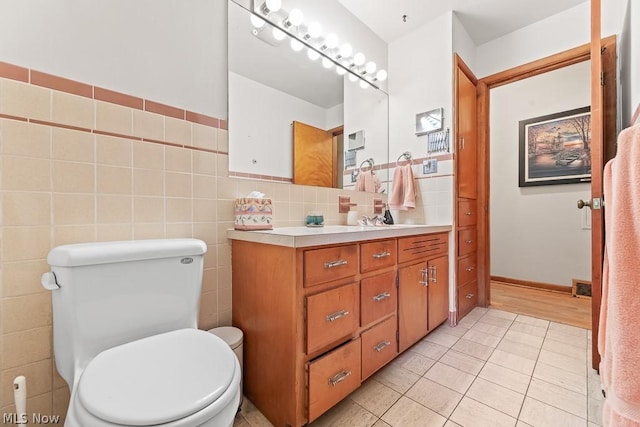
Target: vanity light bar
(327,47)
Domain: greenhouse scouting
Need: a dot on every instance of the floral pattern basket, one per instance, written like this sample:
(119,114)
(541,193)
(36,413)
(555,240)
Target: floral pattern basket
(253,214)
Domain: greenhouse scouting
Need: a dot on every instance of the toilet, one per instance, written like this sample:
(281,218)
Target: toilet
(126,340)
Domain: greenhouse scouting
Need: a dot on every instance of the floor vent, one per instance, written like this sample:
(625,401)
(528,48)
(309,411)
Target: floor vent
(581,288)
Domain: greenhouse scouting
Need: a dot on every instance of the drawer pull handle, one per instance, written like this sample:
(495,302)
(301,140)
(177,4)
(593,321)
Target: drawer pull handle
(335,316)
(339,377)
(434,273)
(380,346)
(468,213)
(469,296)
(469,268)
(381,296)
(466,241)
(338,263)
(381,255)
(425,277)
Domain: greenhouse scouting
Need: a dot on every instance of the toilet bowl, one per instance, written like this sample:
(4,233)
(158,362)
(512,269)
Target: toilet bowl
(125,336)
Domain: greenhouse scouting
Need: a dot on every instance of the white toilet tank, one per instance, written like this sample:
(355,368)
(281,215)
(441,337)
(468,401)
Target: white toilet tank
(111,293)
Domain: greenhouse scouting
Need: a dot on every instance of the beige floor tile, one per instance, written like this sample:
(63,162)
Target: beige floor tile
(375,397)
(239,421)
(524,338)
(566,349)
(429,349)
(567,329)
(434,396)
(594,388)
(594,408)
(452,424)
(505,377)
(414,362)
(571,364)
(252,415)
(526,328)
(467,322)
(457,331)
(399,379)
(561,398)
(523,350)
(495,321)
(449,376)
(496,396)
(406,413)
(532,321)
(381,423)
(482,338)
(499,314)
(523,424)
(442,338)
(345,414)
(478,312)
(471,413)
(512,361)
(488,328)
(538,414)
(561,377)
(466,363)
(473,349)
(576,341)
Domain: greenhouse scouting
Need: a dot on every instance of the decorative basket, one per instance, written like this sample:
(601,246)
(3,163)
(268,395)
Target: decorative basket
(253,214)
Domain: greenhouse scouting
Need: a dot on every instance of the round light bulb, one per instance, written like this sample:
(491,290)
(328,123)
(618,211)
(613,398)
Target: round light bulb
(352,77)
(312,54)
(364,84)
(370,68)
(257,21)
(346,50)
(340,71)
(315,29)
(358,58)
(326,63)
(296,17)
(331,40)
(278,34)
(274,5)
(296,45)
(381,75)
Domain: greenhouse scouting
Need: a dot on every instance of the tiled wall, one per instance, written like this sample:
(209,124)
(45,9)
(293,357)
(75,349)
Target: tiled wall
(80,163)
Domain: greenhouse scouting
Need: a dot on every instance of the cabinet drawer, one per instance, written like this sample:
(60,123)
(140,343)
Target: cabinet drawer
(331,315)
(466,241)
(332,377)
(325,265)
(379,346)
(467,214)
(376,255)
(378,297)
(416,247)
(467,298)
(467,269)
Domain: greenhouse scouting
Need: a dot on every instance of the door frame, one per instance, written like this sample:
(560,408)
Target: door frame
(534,68)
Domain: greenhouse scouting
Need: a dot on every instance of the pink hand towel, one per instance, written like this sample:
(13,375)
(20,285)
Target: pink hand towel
(403,192)
(619,331)
(367,181)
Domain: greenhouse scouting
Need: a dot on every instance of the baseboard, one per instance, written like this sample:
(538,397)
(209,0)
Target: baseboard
(530,284)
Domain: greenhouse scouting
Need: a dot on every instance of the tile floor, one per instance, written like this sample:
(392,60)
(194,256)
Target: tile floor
(494,369)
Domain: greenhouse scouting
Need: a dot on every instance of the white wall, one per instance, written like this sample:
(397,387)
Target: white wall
(536,232)
(158,50)
(629,57)
(463,45)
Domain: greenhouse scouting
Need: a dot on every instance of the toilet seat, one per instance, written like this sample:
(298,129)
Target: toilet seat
(156,380)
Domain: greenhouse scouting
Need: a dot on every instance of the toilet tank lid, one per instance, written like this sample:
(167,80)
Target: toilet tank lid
(121,251)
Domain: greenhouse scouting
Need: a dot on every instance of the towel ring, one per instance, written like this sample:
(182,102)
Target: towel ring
(368,161)
(407,156)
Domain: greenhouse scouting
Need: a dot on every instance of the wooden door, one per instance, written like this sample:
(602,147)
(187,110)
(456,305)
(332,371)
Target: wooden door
(412,304)
(438,291)
(313,156)
(466,136)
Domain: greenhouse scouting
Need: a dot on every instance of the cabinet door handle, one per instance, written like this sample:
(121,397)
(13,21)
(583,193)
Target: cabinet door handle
(337,315)
(469,296)
(434,273)
(469,268)
(425,279)
(468,213)
(338,263)
(381,296)
(340,376)
(380,346)
(466,241)
(381,255)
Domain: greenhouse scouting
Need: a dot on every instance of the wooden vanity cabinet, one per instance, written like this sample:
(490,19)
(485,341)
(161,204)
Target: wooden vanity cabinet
(317,321)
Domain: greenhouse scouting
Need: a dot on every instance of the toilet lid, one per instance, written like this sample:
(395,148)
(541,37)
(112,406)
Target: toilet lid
(158,379)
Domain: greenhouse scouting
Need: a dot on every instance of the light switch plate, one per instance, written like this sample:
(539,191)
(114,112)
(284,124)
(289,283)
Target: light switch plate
(429,166)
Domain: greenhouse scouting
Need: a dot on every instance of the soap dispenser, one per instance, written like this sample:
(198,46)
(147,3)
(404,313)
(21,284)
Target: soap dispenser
(388,219)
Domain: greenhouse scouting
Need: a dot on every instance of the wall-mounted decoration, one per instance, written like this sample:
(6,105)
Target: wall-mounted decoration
(556,148)
(429,121)
(355,140)
(438,142)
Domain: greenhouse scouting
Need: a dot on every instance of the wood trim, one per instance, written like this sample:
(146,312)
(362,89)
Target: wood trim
(459,63)
(530,284)
(484,187)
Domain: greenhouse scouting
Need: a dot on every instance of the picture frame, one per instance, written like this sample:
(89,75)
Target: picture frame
(355,140)
(429,121)
(555,148)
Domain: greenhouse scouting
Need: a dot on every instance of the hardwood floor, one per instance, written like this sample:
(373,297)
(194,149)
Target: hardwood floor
(550,305)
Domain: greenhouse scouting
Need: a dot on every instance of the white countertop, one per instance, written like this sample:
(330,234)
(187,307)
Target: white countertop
(301,237)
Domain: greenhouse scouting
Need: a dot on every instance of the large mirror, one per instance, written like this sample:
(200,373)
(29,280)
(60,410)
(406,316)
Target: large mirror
(290,117)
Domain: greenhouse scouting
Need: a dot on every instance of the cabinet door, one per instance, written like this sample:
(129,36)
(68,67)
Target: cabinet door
(438,291)
(467,147)
(412,307)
